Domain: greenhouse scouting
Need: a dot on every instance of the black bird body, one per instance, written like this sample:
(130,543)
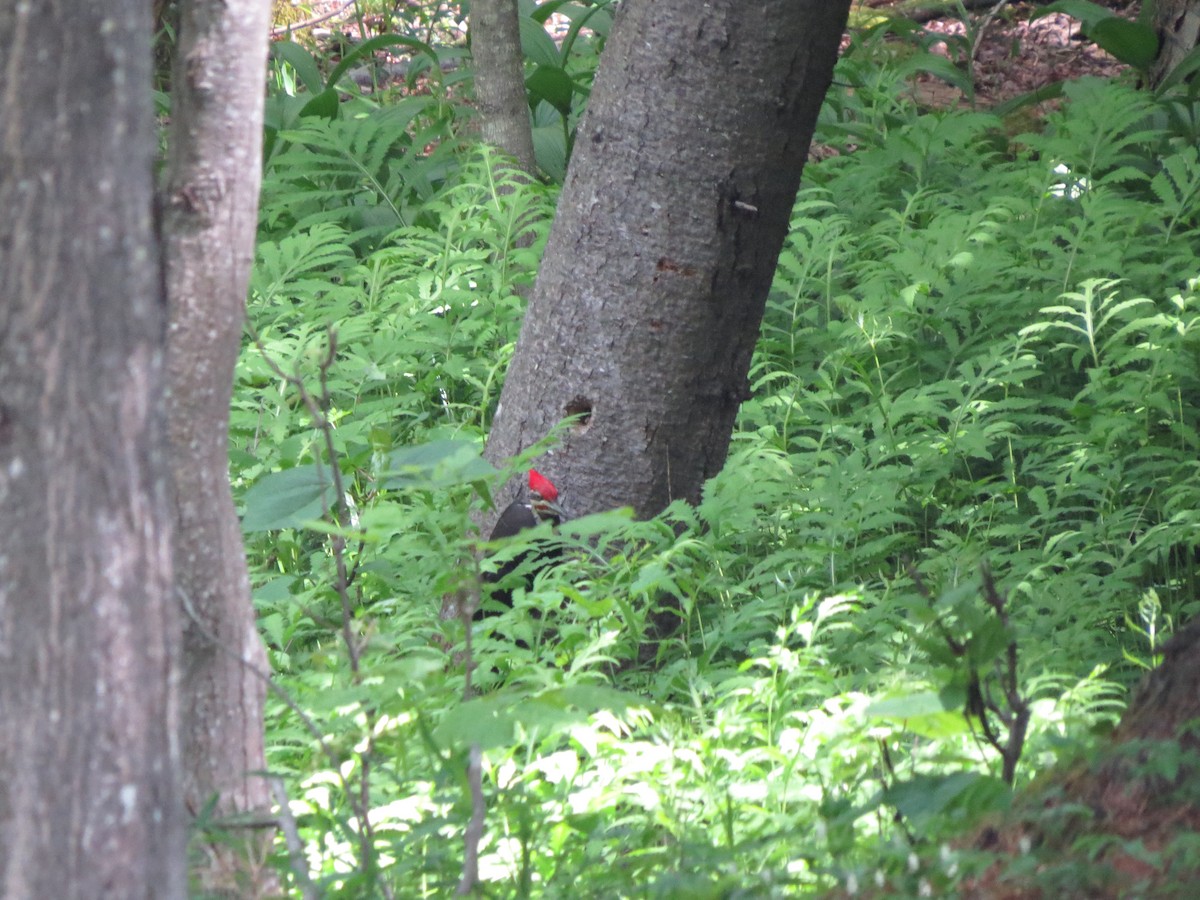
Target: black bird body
(519,516)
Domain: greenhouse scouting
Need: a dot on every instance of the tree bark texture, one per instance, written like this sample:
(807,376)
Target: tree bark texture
(209,222)
(89,758)
(655,276)
(500,80)
(1177,23)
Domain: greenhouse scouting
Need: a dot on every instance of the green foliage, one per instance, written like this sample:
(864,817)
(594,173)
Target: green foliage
(1134,43)
(370,174)
(559,75)
(976,351)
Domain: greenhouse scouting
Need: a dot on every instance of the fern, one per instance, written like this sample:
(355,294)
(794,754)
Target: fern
(370,174)
(975,350)
(1177,188)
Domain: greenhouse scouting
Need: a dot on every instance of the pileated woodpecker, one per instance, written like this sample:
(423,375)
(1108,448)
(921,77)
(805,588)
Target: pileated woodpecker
(519,516)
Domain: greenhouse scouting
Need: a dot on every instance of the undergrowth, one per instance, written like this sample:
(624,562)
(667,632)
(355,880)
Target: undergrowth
(979,356)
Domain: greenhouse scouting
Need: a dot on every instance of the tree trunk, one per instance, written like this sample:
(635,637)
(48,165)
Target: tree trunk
(89,762)
(1166,707)
(655,276)
(500,80)
(1178,25)
(209,223)
(1138,792)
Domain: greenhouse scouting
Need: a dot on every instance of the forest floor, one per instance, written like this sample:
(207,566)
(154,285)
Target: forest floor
(1012,53)
(1015,54)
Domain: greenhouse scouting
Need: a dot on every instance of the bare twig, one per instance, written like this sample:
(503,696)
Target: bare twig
(468,601)
(983,24)
(309,23)
(338,512)
(1012,708)
(1017,704)
(474,832)
(291,838)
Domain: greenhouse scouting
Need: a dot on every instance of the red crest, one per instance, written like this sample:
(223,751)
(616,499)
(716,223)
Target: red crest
(542,486)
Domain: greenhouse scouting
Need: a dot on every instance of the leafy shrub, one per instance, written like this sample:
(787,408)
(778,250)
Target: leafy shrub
(976,351)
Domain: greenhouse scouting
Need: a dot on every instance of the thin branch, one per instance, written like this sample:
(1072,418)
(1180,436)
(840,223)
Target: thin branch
(468,602)
(981,28)
(291,838)
(309,23)
(309,725)
(474,833)
(1012,709)
(338,513)
(1010,680)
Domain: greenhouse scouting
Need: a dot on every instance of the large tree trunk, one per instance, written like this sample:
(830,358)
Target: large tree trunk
(209,220)
(89,761)
(1178,25)
(500,80)
(655,277)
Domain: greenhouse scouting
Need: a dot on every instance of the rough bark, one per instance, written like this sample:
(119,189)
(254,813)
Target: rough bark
(655,276)
(209,220)
(89,761)
(500,80)
(1177,23)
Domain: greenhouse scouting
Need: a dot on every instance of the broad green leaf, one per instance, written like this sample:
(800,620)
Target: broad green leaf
(1178,75)
(550,148)
(379,42)
(1128,41)
(988,642)
(907,706)
(536,45)
(924,799)
(302,61)
(487,721)
(552,84)
(545,10)
(1086,12)
(323,105)
(939,67)
(290,498)
(437,465)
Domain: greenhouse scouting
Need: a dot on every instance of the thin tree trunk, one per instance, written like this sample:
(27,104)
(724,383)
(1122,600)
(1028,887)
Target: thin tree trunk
(500,80)
(1177,23)
(209,223)
(655,276)
(89,760)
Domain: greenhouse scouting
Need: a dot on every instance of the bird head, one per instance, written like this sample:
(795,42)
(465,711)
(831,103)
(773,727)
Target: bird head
(544,497)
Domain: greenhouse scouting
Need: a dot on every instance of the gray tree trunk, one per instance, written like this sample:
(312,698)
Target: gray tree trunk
(500,80)
(1178,25)
(89,759)
(655,276)
(209,221)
